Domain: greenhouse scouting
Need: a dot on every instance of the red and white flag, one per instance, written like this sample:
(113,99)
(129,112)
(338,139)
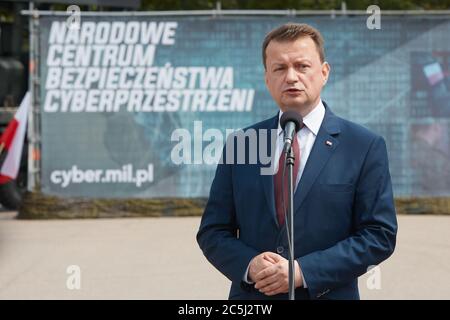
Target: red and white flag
(11,142)
(434,73)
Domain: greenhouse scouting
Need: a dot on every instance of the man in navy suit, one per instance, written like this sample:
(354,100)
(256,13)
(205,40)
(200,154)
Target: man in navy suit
(344,215)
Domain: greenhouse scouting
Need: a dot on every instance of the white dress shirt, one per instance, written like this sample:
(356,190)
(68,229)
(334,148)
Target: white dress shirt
(305,138)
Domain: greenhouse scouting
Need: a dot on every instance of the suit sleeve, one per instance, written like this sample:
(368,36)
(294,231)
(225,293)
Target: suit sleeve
(375,228)
(217,235)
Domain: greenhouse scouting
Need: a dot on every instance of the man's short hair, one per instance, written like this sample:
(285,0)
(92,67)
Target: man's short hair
(292,32)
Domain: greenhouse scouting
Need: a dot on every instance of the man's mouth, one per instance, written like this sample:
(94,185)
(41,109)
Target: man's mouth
(293,90)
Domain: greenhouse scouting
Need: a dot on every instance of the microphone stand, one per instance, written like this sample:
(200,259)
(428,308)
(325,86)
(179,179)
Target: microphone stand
(290,160)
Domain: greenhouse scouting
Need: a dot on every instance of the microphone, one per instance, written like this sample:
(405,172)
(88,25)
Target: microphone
(290,122)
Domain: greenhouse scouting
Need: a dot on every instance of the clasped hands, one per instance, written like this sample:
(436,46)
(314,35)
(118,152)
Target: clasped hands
(270,272)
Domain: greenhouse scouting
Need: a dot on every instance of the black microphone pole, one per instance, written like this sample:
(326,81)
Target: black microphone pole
(290,160)
(291,122)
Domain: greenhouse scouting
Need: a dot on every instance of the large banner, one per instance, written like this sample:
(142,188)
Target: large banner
(118,94)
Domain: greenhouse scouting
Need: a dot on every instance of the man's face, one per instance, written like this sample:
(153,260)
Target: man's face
(295,75)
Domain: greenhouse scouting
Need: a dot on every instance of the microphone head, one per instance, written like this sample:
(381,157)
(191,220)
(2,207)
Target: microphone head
(291,116)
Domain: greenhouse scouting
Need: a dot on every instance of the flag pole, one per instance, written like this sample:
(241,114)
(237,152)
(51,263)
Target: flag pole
(33,143)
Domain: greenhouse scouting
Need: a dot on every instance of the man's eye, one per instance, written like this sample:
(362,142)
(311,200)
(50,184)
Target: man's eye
(278,69)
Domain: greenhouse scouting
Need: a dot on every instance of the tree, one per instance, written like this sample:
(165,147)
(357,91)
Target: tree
(295,4)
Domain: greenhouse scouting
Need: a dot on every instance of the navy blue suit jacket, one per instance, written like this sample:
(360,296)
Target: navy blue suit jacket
(345,218)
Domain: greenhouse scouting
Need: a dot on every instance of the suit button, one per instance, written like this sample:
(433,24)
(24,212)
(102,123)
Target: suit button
(280,250)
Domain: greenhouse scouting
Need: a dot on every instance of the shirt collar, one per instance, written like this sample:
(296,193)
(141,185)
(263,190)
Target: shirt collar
(312,120)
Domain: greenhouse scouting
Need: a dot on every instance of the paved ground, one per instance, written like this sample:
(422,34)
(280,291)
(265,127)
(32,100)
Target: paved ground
(158,258)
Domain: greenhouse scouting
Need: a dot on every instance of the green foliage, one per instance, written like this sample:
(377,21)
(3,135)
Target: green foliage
(295,4)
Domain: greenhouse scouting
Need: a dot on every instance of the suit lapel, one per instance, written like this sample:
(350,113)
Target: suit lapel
(320,153)
(324,145)
(267,180)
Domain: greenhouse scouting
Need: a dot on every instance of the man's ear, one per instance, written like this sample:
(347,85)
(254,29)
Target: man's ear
(325,71)
(265,78)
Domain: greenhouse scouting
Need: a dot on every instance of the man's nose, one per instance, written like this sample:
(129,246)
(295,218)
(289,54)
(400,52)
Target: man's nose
(291,76)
